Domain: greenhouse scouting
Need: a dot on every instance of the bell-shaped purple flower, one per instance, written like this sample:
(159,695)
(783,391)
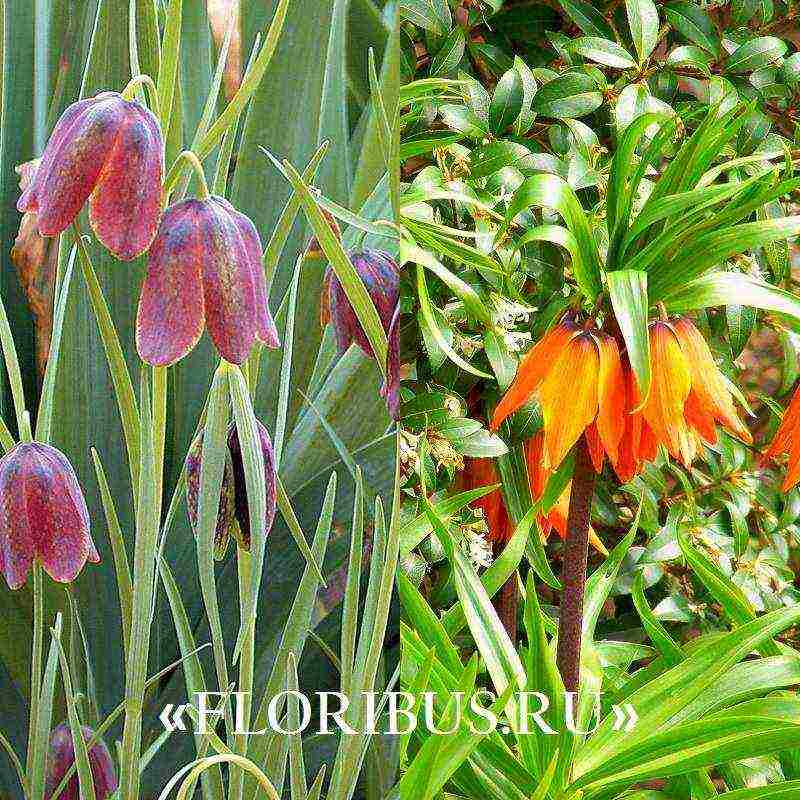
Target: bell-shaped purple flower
(381,277)
(204,270)
(110,151)
(43,515)
(61,756)
(233,517)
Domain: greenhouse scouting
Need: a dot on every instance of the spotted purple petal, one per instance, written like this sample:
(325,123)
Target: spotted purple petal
(43,515)
(242,509)
(76,165)
(61,756)
(380,275)
(228,286)
(62,132)
(226,500)
(126,203)
(266,332)
(171,312)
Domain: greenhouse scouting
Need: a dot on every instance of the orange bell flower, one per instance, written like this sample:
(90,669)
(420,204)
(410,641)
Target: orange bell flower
(688,395)
(480,472)
(787,440)
(539,475)
(576,375)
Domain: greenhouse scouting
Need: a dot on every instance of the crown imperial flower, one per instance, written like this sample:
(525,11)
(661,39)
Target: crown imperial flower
(110,151)
(204,270)
(233,516)
(61,757)
(43,515)
(381,278)
(576,375)
(688,394)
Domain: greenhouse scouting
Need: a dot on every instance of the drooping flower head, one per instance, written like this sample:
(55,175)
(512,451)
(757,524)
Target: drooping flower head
(61,757)
(688,394)
(479,472)
(539,475)
(233,517)
(381,278)
(204,269)
(787,440)
(43,515)
(576,375)
(110,151)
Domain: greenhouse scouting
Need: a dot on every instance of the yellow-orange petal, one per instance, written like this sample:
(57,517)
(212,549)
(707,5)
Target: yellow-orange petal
(669,387)
(707,381)
(793,469)
(532,370)
(627,464)
(610,396)
(568,397)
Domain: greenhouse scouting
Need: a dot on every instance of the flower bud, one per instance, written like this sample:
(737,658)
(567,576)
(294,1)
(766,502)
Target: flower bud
(110,151)
(43,515)
(225,513)
(381,278)
(61,756)
(204,270)
(233,517)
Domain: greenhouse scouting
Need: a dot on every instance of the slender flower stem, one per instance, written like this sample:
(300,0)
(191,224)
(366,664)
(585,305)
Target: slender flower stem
(573,574)
(159,427)
(36,662)
(135,82)
(246,663)
(188,155)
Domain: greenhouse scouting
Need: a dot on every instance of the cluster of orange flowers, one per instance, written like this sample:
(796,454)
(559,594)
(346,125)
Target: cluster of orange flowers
(584,385)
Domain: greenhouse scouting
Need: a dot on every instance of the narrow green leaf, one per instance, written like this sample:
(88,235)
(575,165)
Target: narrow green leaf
(628,292)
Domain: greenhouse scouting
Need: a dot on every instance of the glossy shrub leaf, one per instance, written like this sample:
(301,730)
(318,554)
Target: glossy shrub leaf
(568,96)
(643,24)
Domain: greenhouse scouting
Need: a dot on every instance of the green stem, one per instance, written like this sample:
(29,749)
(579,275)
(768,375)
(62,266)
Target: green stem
(194,161)
(134,83)
(36,661)
(159,428)
(246,664)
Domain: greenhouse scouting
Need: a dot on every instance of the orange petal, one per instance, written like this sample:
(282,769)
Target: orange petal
(700,418)
(628,464)
(480,472)
(568,397)
(557,518)
(596,452)
(707,381)
(669,388)
(788,432)
(793,472)
(532,370)
(610,396)
(538,474)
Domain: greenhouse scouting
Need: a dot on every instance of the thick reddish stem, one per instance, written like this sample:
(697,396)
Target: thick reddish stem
(573,571)
(505,603)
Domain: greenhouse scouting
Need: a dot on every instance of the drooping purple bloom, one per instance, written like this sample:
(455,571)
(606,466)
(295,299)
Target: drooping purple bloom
(233,517)
(225,520)
(61,756)
(381,277)
(204,270)
(110,151)
(43,515)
